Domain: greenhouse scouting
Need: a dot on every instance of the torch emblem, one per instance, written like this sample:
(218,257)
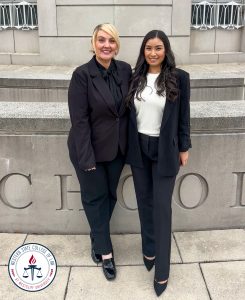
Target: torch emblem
(32,267)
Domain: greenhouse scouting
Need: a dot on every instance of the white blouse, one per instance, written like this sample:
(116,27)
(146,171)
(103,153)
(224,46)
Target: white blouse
(149,110)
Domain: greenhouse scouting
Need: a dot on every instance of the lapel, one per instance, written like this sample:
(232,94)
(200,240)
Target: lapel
(167,111)
(133,116)
(101,86)
(124,87)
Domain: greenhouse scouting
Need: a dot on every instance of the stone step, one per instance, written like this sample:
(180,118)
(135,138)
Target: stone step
(41,117)
(50,83)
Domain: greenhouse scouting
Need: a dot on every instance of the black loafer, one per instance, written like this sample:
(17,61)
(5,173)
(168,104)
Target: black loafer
(109,268)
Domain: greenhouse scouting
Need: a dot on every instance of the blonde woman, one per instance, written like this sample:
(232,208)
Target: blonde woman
(98,137)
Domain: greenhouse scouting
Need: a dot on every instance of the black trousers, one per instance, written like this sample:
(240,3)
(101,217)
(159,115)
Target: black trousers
(154,195)
(98,193)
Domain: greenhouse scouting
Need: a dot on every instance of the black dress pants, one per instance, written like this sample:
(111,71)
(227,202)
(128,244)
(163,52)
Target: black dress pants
(98,193)
(154,196)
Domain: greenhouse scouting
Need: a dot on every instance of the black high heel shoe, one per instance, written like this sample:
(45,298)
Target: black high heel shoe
(160,287)
(149,263)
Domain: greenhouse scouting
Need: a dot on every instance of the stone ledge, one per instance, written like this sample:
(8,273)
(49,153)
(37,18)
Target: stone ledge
(59,76)
(53,117)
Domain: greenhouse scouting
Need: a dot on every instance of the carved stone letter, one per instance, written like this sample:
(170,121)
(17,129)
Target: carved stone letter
(239,188)
(203,193)
(3,197)
(121,200)
(63,193)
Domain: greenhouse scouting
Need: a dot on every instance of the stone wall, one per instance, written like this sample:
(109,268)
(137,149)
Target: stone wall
(39,191)
(65,28)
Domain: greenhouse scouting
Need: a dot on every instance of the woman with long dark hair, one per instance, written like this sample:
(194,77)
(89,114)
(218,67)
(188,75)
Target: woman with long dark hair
(158,143)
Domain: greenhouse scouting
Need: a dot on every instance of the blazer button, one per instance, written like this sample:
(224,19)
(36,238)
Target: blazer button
(117,119)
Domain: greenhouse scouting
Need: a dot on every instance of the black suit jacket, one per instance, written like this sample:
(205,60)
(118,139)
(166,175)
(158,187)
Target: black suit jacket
(98,129)
(174,132)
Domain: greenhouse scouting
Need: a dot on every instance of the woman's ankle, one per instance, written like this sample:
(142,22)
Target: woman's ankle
(107,256)
(149,257)
(162,281)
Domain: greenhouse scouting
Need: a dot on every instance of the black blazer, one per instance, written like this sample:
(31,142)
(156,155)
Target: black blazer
(174,132)
(98,129)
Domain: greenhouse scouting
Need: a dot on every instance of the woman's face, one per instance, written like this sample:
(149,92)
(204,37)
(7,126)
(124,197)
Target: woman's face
(105,46)
(154,53)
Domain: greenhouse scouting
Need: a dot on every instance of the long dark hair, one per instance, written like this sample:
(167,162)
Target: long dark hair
(166,82)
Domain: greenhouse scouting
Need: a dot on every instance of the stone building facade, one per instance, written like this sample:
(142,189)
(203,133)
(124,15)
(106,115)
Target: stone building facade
(199,31)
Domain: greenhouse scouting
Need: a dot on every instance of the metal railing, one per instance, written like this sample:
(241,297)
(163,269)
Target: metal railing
(214,14)
(18,15)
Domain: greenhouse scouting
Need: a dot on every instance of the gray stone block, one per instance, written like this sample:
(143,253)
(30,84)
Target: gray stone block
(69,250)
(231,57)
(128,24)
(30,95)
(25,59)
(243,40)
(26,41)
(102,2)
(70,50)
(228,40)
(144,2)
(181,17)
(35,76)
(87,17)
(208,246)
(139,284)
(202,41)
(204,58)
(129,49)
(180,47)
(215,71)
(217,89)
(7,41)
(215,94)
(225,280)
(47,25)
(83,2)
(220,82)
(5,59)
(74,250)
(8,244)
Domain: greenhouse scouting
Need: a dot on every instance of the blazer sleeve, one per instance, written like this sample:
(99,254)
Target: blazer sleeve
(79,114)
(184,113)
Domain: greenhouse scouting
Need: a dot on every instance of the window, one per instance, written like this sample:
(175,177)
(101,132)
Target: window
(217,14)
(18,15)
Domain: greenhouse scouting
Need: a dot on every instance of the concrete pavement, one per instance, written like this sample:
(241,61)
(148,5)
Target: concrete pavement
(204,265)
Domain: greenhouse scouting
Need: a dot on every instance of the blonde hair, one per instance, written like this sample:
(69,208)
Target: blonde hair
(109,29)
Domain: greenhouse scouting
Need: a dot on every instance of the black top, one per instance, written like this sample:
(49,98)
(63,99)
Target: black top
(113,81)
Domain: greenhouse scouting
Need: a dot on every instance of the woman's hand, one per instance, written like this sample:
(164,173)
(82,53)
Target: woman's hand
(183,157)
(87,170)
